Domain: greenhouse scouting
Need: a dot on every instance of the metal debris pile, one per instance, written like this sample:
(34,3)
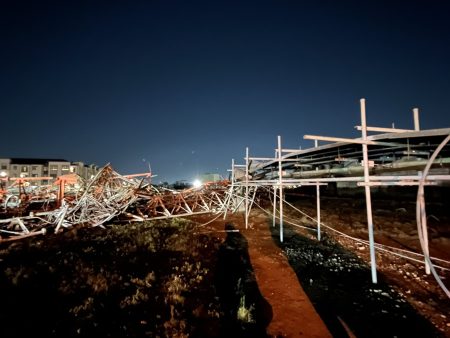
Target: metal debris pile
(109,197)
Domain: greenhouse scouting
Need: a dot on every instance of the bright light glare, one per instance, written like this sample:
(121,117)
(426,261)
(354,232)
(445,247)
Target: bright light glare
(3,174)
(197,183)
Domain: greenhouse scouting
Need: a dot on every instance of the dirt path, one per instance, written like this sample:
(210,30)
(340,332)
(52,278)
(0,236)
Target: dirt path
(322,289)
(293,313)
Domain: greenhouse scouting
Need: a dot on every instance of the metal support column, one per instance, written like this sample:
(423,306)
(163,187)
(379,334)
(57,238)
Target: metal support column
(246,188)
(274,206)
(416,119)
(373,262)
(316,144)
(318,211)
(423,217)
(230,197)
(280,180)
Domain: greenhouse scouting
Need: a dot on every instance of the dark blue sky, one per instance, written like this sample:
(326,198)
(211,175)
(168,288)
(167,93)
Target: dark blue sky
(187,85)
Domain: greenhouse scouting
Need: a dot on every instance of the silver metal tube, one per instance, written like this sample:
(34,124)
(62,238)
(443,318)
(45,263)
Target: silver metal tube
(423,216)
(274,206)
(246,188)
(373,264)
(280,179)
(416,119)
(318,211)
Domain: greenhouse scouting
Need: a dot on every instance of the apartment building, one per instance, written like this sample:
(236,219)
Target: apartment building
(36,167)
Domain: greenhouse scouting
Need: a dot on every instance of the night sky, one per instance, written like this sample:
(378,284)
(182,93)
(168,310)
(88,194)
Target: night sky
(187,85)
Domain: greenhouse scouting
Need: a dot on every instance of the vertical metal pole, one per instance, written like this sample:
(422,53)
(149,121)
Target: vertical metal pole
(318,202)
(232,172)
(367,190)
(246,187)
(316,143)
(318,211)
(253,200)
(274,206)
(230,198)
(423,217)
(61,192)
(280,178)
(416,118)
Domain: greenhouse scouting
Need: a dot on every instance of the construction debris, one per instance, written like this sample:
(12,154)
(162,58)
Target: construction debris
(106,197)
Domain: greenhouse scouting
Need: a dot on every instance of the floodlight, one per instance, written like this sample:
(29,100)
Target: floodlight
(197,183)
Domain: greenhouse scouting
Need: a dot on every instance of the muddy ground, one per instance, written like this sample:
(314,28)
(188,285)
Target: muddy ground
(179,279)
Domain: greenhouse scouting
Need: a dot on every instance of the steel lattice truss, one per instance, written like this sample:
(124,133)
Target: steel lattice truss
(110,196)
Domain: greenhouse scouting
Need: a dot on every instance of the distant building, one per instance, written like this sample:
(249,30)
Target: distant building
(38,167)
(208,177)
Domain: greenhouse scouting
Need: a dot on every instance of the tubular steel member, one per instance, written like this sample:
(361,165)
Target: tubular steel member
(416,119)
(422,219)
(318,210)
(246,187)
(280,188)
(230,191)
(274,206)
(373,264)
(389,162)
(111,196)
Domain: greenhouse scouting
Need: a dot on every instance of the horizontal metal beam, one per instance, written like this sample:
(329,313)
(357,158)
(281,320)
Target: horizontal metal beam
(396,183)
(385,130)
(139,175)
(349,140)
(29,178)
(262,158)
(293,181)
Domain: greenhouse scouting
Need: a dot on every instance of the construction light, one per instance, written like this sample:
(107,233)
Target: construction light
(197,183)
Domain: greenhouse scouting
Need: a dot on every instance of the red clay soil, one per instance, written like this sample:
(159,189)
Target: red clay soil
(293,313)
(296,315)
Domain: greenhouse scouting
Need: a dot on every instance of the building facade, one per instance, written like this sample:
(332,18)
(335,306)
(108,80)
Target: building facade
(13,168)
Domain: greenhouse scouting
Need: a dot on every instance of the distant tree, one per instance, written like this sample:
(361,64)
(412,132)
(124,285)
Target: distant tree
(180,185)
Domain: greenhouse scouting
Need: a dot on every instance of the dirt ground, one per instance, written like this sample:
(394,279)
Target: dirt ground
(395,226)
(336,277)
(181,278)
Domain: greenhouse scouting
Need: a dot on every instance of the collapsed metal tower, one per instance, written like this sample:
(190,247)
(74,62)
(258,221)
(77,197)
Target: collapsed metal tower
(110,196)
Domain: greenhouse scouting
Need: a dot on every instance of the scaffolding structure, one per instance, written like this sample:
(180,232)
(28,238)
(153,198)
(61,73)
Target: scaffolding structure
(396,157)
